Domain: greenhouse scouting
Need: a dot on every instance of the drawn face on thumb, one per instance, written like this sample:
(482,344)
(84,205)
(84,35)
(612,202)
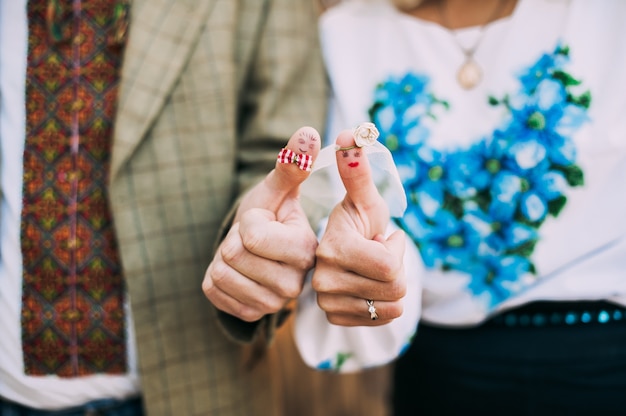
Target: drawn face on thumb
(362,197)
(308,142)
(351,162)
(351,158)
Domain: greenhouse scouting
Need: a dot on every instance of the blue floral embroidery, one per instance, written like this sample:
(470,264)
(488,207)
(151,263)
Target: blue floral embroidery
(407,344)
(477,210)
(336,363)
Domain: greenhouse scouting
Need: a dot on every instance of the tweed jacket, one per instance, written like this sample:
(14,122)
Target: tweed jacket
(210,91)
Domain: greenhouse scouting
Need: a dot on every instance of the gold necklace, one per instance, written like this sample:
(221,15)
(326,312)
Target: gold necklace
(470,73)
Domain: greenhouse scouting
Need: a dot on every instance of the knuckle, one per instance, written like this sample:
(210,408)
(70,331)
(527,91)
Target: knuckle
(246,312)
(322,302)
(274,305)
(249,315)
(308,257)
(391,269)
(336,319)
(394,310)
(398,289)
(306,265)
(330,305)
(290,291)
(290,284)
(325,252)
(230,250)
(304,262)
(218,272)
(331,319)
(394,283)
(387,270)
(207,285)
(253,238)
(320,283)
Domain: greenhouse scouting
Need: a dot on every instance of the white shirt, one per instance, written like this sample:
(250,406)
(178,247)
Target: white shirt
(579,254)
(47,392)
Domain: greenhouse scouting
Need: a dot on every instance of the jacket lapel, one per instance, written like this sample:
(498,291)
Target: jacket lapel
(160,40)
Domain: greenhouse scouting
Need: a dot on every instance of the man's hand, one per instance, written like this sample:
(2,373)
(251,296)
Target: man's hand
(262,262)
(355,262)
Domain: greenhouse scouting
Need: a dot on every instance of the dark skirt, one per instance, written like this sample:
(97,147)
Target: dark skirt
(546,358)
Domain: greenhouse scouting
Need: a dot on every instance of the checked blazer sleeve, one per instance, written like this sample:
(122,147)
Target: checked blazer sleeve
(210,91)
(284,88)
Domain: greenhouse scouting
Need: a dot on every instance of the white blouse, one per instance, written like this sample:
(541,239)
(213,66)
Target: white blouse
(517,187)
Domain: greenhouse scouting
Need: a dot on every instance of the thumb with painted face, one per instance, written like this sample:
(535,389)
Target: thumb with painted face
(262,261)
(359,276)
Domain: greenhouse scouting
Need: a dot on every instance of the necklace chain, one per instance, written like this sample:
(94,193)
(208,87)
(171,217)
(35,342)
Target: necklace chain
(469,73)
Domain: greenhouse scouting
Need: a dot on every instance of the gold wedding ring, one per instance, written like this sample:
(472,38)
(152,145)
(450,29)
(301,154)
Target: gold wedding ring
(371,309)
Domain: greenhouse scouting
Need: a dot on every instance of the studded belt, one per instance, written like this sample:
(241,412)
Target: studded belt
(558,313)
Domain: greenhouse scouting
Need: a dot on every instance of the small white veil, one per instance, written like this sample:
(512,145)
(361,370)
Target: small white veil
(324,186)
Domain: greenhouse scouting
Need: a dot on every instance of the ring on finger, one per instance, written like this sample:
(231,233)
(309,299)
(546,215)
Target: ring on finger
(371,309)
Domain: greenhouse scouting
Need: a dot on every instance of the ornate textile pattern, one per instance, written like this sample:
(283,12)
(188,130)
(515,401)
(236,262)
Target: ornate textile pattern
(73,292)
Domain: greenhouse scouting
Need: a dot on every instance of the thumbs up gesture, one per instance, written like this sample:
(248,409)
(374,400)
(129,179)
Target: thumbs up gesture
(263,260)
(359,276)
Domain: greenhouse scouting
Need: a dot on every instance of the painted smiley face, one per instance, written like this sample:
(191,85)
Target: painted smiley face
(351,156)
(306,142)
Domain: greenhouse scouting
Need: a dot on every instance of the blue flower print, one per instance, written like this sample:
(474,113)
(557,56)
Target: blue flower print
(477,210)
(470,172)
(495,278)
(544,68)
(526,197)
(401,104)
(325,365)
(334,364)
(430,186)
(450,242)
(502,237)
(536,123)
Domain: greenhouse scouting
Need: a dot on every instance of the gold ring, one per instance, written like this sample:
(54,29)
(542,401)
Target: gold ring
(371,309)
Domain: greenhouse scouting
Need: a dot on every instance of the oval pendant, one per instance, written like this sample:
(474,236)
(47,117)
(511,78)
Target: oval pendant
(470,74)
